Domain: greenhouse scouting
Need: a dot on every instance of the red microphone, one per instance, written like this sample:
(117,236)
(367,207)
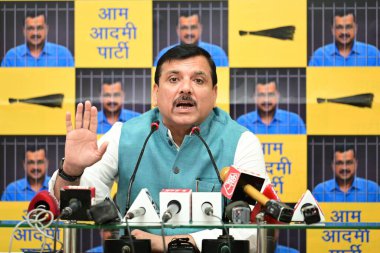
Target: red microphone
(46,201)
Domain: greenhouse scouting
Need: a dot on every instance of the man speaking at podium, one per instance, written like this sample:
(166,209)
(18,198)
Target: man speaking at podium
(184,93)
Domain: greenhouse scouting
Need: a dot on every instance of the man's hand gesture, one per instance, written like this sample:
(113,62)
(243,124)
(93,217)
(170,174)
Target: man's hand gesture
(81,149)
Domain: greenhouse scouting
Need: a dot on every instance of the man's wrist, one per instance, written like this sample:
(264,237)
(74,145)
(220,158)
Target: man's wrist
(64,175)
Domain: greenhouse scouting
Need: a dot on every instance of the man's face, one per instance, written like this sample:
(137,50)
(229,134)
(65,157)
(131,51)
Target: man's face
(35,165)
(185,95)
(112,97)
(35,31)
(266,97)
(344,165)
(189,29)
(344,30)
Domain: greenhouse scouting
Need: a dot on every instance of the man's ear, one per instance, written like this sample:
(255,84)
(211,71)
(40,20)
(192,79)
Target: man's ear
(154,95)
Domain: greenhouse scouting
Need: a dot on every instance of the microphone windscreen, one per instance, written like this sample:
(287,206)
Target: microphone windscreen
(44,200)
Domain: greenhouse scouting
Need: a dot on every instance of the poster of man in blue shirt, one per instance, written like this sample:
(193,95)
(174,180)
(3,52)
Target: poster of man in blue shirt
(268,118)
(37,51)
(112,100)
(346,186)
(35,165)
(189,31)
(345,50)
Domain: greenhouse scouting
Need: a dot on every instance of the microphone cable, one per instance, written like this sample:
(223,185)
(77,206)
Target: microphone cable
(225,230)
(195,130)
(153,127)
(130,236)
(163,236)
(38,219)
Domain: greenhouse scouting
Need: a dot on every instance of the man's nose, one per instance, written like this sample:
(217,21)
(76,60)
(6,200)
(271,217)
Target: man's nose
(186,86)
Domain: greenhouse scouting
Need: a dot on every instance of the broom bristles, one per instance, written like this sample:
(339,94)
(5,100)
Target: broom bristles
(282,33)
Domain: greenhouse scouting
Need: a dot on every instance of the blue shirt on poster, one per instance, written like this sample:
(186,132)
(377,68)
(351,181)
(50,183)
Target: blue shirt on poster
(284,249)
(52,55)
(98,249)
(217,53)
(283,122)
(104,125)
(362,190)
(21,190)
(361,55)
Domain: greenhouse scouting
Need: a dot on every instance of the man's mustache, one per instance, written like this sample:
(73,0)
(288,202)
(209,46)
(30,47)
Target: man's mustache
(266,104)
(112,103)
(344,171)
(344,36)
(36,171)
(36,36)
(184,99)
(189,36)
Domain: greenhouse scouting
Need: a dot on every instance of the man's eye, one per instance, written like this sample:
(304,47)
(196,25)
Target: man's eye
(199,81)
(173,79)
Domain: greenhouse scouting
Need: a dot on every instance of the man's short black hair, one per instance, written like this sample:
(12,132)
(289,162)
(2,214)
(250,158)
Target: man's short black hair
(344,148)
(110,81)
(342,13)
(189,13)
(182,52)
(34,14)
(266,81)
(34,148)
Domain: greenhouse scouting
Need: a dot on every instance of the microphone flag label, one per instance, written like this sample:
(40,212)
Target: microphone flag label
(230,183)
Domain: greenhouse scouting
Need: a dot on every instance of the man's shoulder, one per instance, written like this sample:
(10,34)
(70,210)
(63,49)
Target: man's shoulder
(20,49)
(17,183)
(205,45)
(323,186)
(50,46)
(366,182)
(326,49)
(288,115)
(367,47)
(248,116)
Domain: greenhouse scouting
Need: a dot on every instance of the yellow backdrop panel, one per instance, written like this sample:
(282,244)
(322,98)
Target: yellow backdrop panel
(33,119)
(113,33)
(357,240)
(24,238)
(334,118)
(265,51)
(285,161)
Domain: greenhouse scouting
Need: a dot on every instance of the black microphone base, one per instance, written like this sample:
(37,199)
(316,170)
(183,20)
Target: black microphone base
(124,245)
(225,244)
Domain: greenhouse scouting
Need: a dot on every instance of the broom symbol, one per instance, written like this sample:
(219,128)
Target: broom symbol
(53,100)
(360,100)
(282,33)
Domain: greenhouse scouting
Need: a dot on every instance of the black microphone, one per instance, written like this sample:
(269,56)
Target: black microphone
(207,208)
(196,131)
(135,213)
(174,207)
(74,205)
(153,127)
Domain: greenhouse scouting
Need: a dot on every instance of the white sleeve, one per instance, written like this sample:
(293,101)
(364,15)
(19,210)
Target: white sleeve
(102,174)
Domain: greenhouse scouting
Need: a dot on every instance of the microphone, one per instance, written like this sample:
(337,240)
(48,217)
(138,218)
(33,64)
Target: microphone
(232,178)
(174,207)
(271,194)
(229,210)
(307,210)
(153,127)
(135,213)
(45,200)
(206,206)
(143,209)
(74,205)
(195,130)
